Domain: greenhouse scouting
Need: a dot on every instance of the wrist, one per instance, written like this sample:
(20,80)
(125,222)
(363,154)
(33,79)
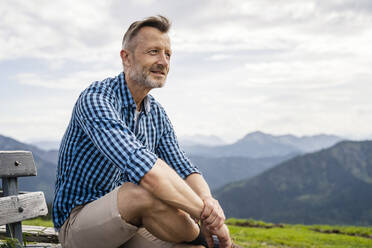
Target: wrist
(205,196)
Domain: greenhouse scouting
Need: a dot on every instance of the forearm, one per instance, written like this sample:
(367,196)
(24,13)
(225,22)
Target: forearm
(213,215)
(199,185)
(167,185)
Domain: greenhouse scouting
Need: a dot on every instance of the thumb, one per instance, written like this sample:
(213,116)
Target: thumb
(209,240)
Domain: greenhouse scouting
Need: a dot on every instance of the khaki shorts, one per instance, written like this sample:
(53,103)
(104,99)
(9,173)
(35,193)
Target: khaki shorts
(98,224)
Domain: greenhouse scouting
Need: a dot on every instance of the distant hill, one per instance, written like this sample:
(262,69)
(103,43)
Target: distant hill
(46,144)
(332,186)
(220,171)
(204,140)
(259,145)
(232,169)
(7,143)
(45,163)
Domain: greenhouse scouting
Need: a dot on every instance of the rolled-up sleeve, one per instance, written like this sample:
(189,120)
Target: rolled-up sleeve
(170,151)
(99,119)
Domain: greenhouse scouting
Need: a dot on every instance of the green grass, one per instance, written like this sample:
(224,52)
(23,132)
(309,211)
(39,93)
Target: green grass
(351,230)
(297,236)
(251,223)
(39,221)
(259,234)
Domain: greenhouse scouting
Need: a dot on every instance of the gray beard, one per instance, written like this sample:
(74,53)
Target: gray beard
(143,79)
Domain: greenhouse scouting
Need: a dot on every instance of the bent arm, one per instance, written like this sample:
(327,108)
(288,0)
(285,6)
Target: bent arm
(212,215)
(199,185)
(167,185)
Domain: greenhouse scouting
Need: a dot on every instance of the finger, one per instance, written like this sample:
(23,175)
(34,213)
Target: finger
(223,242)
(220,210)
(211,211)
(217,223)
(223,214)
(210,219)
(222,218)
(209,240)
(226,236)
(207,210)
(227,244)
(215,220)
(221,222)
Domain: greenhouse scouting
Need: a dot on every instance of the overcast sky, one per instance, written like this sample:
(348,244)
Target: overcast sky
(299,67)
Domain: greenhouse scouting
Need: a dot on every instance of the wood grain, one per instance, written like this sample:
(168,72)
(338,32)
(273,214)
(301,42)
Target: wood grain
(21,207)
(17,164)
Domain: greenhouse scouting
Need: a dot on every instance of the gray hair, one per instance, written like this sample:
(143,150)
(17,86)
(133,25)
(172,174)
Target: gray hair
(159,22)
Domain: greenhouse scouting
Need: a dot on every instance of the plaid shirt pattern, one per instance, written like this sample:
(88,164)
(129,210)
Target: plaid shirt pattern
(106,144)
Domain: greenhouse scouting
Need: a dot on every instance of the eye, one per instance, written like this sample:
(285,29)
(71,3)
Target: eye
(168,54)
(153,51)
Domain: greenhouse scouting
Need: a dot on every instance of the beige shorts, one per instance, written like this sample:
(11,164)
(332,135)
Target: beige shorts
(98,224)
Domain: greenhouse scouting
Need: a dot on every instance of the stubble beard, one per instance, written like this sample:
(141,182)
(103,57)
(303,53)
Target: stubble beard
(142,77)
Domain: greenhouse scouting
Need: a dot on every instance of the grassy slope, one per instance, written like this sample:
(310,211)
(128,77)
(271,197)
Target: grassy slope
(294,236)
(287,236)
(299,236)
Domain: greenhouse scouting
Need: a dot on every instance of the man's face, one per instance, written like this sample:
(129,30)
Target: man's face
(150,58)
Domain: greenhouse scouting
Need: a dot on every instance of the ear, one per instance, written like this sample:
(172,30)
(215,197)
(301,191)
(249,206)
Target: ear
(125,57)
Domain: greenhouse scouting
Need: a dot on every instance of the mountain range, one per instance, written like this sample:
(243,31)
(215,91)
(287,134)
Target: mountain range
(45,162)
(220,171)
(260,145)
(46,145)
(217,170)
(233,168)
(194,140)
(331,186)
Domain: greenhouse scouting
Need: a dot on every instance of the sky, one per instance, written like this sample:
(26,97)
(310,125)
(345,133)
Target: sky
(238,66)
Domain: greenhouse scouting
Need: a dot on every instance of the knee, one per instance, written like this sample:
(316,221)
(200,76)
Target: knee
(184,216)
(133,201)
(177,217)
(135,195)
(192,229)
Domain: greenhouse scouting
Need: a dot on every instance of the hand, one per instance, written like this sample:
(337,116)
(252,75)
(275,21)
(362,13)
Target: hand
(222,234)
(212,215)
(207,235)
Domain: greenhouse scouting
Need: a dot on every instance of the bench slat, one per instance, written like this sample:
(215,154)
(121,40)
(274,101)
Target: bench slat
(36,234)
(19,192)
(17,164)
(21,207)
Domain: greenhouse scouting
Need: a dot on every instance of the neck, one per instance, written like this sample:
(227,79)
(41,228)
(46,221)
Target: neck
(138,91)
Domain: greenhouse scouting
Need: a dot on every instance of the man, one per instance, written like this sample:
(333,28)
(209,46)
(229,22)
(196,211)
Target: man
(122,179)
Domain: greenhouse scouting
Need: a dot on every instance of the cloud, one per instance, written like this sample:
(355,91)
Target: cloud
(52,30)
(280,66)
(74,81)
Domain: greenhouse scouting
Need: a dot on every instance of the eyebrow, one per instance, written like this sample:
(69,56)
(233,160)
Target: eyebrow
(157,47)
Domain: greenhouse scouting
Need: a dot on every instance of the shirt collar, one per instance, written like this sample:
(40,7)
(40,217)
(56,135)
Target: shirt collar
(128,98)
(146,104)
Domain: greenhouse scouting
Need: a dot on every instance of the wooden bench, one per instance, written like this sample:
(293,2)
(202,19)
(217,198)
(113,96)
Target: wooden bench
(17,206)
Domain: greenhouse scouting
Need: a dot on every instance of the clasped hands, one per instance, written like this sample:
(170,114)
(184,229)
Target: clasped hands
(213,223)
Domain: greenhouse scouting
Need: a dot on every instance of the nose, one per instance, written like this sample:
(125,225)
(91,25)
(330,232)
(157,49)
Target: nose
(164,59)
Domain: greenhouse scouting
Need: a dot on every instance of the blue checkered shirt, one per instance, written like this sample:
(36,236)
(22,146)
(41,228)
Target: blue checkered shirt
(107,144)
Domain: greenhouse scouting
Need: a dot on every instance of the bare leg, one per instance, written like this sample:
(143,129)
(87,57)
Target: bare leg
(144,239)
(139,207)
